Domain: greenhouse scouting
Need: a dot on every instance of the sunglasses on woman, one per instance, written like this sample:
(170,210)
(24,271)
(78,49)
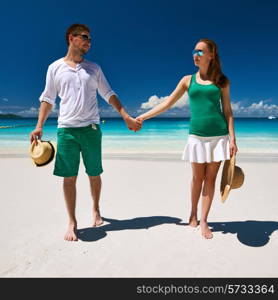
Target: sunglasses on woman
(198,52)
(85,37)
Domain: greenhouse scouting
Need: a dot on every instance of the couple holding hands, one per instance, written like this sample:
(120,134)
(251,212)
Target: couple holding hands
(76,81)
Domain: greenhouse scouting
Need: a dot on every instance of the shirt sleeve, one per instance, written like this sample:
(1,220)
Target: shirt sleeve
(104,88)
(50,93)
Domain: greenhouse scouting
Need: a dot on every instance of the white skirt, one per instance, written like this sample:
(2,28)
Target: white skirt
(201,149)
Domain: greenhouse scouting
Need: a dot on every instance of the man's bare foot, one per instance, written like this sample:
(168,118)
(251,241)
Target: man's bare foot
(206,232)
(193,221)
(97,220)
(71,234)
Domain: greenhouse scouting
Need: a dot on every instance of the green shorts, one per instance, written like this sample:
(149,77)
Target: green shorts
(72,141)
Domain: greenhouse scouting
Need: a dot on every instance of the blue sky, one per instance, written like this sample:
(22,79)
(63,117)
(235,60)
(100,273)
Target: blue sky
(144,48)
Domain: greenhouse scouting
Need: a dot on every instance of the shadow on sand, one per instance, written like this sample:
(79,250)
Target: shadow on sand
(92,234)
(249,233)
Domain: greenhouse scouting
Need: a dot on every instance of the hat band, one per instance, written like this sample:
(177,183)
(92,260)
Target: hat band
(50,158)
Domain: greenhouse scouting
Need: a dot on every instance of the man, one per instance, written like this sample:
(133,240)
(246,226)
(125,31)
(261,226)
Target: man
(76,81)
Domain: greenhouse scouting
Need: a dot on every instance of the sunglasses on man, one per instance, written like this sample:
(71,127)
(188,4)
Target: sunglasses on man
(84,37)
(198,52)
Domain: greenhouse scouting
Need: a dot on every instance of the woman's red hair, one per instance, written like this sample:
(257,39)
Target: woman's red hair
(214,70)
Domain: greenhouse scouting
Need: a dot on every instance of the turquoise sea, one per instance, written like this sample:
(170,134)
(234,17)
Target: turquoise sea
(167,136)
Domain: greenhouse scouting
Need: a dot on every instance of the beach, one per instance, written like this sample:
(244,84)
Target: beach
(178,68)
(146,205)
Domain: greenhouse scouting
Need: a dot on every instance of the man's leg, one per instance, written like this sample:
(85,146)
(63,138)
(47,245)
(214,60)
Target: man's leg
(66,165)
(69,186)
(95,183)
(90,142)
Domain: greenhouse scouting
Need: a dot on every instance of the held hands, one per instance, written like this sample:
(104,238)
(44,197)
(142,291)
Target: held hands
(140,119)
(36,135)
(133,124)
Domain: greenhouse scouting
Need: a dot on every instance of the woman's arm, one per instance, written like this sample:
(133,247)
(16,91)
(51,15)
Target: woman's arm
(171,100)
(228,113)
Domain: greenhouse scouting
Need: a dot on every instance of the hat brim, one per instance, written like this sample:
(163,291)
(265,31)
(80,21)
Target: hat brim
(225,193)
(227,178)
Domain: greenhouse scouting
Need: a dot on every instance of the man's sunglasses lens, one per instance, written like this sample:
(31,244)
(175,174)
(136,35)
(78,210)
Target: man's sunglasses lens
(85,37)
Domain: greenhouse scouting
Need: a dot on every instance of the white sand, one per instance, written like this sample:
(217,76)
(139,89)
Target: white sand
(147,198)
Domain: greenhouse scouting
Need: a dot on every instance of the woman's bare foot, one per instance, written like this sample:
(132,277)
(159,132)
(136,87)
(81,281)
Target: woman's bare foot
(97,220)
(71,234)
(193,221)
(206,232)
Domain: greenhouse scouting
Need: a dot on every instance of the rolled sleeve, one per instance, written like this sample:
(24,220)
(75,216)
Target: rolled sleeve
(104,88)
(50,93)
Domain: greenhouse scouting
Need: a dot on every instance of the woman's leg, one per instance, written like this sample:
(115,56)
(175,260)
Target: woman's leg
(207,196)
(198,175)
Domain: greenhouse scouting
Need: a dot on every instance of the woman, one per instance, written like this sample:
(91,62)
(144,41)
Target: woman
(211,131)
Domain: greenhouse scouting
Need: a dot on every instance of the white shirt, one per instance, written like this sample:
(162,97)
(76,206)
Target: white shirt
(77,89)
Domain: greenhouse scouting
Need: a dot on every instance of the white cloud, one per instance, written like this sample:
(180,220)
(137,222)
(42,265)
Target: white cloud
(5,99)
(11,107)
(263,108)
(31,112)
(256,109)
(155,100)
(179,109)
(34,112)
(108,112)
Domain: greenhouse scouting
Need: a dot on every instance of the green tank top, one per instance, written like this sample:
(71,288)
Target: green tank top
(206,118)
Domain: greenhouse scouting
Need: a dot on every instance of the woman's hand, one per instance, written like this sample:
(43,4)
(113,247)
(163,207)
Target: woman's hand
(140,120)
(233,148)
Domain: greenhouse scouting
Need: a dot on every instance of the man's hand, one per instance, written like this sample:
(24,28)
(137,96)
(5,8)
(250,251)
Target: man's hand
(35,135)
(133,124)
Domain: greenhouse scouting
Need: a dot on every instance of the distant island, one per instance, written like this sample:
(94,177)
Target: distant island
(9,116)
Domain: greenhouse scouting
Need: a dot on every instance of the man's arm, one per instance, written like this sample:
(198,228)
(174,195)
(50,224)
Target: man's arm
(45,109)
(110,97)
(131,123)
(47,100)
